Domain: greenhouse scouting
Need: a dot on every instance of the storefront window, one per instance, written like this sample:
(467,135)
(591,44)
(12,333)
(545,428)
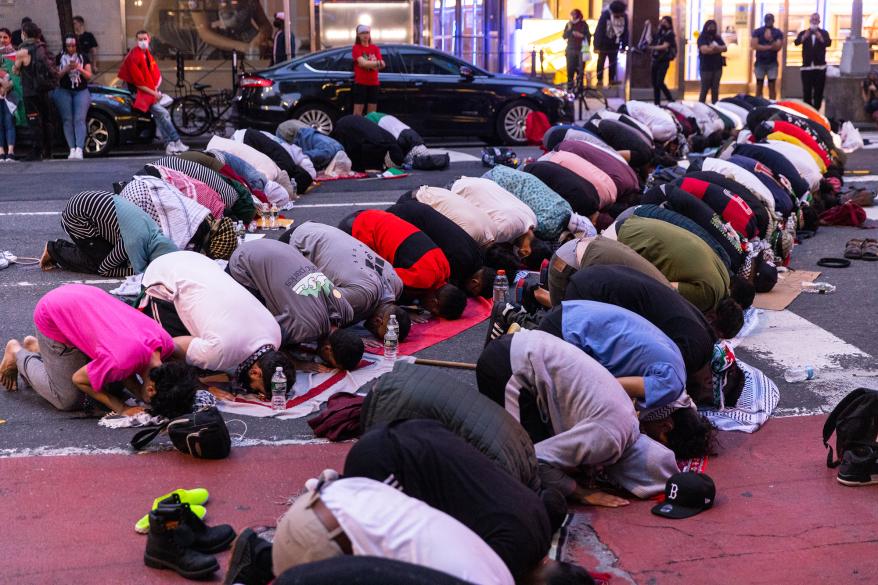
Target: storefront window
(736,30)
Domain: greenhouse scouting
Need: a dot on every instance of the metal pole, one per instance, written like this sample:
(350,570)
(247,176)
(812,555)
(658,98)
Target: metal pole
(856,19)
(312,20)
(288,27)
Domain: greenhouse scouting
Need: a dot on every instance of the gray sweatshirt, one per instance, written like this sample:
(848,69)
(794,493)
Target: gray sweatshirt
(365,279)
(304,301)
(592,417)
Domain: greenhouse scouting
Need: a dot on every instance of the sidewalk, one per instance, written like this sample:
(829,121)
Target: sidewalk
(780,516)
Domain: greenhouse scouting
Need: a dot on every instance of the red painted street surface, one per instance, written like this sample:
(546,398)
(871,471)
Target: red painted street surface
(780,516)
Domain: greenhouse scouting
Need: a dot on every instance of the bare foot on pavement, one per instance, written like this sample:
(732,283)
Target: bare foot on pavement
(46,260)
(8,367)
(31,344)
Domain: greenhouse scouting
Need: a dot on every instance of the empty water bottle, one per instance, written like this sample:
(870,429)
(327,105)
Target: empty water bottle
(819,288)
(501,287)
(272,220)
(802,374)
(278,389)
(391,339)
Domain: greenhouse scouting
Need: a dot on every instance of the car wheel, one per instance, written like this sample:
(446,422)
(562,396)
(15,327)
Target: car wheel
(510,122)
(102,133)
(318,117)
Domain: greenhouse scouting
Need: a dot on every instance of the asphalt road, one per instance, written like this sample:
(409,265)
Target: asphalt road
(33,194)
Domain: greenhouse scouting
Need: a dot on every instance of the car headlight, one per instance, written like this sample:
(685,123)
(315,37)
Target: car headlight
(555,93)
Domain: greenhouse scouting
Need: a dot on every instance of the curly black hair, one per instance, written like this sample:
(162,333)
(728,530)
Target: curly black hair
(175,386)
(347,348)
(693,435)
(742,290)
(729,318)
(452,302)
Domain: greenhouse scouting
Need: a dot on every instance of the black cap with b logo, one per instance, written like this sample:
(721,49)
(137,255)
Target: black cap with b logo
(686,494)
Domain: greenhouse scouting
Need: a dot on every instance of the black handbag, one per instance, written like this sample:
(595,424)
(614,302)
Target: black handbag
(202,434)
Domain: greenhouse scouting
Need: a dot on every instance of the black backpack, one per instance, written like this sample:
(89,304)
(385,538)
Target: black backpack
(431,162)
(202,434)
(854,420)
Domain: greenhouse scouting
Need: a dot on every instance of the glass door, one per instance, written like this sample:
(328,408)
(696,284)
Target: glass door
(737,28)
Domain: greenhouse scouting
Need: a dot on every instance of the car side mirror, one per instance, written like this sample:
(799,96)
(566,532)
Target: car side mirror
(466,72)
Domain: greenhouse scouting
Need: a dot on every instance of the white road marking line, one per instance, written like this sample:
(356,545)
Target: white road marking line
(872,212)
(25,284)
(860,178)
(295,207)
(354,204)
(68,451)
(778,339)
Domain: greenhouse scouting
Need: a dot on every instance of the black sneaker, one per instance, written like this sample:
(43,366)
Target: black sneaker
(169,545)
(859,466)
(205,539)
(503,316)
(251,560)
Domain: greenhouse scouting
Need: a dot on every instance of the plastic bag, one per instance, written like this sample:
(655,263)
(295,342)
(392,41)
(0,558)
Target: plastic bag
(339,166)
(851,139)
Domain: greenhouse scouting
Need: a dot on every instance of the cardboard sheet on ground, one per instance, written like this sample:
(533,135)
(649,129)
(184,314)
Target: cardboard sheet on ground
(788,287)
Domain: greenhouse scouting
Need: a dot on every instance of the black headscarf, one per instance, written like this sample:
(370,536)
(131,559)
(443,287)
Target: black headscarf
(494,369)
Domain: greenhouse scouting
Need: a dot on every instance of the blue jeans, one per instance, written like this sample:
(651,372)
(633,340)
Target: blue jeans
(163,120)
(7,126)
(73,107)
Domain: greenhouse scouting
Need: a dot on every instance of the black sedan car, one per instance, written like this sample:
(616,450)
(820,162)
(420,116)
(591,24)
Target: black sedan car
(112,121)
(431,91)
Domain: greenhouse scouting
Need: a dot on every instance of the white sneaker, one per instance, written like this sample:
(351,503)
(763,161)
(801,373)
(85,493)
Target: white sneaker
(180,146)
(171,149)
(78,153)
(72,155)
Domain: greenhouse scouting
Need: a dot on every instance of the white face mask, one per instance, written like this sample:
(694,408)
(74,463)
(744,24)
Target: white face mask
(144,45)
(814,26)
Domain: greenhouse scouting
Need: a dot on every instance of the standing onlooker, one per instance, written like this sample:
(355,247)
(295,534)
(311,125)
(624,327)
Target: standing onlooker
(86,42)
(16,34)
(663,47)
(6,46)
(767,42)
(72,97)
(139,69)
(710,60)
(38,79)
(575,31)
(610,36)
(278,46)
(870,94)
(9,102)
(367,64)
(814,41)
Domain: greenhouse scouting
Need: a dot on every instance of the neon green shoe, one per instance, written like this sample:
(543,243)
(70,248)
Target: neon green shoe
(196,498)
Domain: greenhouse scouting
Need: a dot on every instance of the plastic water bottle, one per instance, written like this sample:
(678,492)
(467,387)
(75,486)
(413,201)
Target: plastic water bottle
(272,219)
(501,287)
(794,375)
(240,232)
(278,389)
(391,339)
(819,288)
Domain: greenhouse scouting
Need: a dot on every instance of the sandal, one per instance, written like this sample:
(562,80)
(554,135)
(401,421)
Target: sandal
(854,249)
(870,249)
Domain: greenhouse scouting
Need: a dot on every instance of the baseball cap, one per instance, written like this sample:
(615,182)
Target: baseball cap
(363,28)
(686,494)
(765,274)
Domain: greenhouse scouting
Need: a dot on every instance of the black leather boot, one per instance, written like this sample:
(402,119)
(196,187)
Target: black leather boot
(169,545)
(206,539)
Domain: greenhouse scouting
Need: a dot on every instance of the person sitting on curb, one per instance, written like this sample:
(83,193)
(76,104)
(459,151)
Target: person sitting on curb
(419,262)
(578,415)
(367,281)
(304,301)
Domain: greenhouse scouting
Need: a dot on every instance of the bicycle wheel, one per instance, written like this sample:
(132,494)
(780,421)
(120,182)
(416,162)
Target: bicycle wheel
(190,115)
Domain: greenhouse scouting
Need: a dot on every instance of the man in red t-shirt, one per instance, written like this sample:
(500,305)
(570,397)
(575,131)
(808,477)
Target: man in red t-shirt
(367,64)
(419,262)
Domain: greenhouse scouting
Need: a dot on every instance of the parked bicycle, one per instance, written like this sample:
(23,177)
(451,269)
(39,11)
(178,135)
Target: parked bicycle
(194,114)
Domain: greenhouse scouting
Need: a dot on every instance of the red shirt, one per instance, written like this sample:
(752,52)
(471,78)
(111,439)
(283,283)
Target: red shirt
(418,261)
(366,76)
